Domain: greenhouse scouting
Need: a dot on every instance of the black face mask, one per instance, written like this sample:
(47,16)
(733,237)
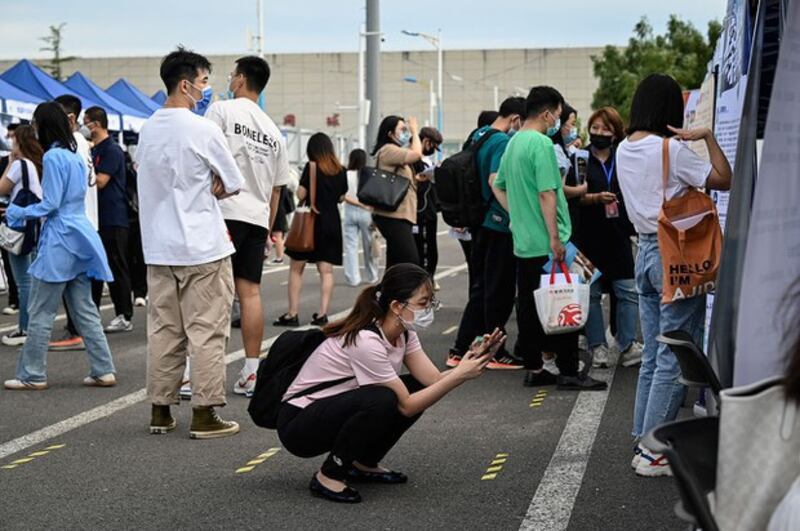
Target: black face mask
(601,141)
(429,152)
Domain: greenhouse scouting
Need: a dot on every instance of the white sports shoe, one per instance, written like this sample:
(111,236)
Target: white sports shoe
(652,464)
(118,324)
(632,356)
(550,366)
(245,384)
(140,301)
(600,356)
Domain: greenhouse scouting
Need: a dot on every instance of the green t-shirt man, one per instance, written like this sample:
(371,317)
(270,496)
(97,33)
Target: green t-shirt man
(528,168)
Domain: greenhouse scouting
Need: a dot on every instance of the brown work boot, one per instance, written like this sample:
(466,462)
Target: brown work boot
(206,424)
(161,420)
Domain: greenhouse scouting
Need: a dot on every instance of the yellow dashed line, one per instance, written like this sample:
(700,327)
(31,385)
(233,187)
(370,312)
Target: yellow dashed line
(257,461)
(537,400)
(31,457)
(495,468)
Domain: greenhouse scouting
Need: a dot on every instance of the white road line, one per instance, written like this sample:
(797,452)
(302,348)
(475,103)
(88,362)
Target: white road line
(450,330)
(59,317)
(106,410)
(551,506)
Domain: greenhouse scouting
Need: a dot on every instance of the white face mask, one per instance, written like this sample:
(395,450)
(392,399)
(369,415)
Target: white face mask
(423,319)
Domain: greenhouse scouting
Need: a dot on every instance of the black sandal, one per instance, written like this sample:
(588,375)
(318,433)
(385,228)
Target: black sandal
(348,495)
(319,320)
(285,320)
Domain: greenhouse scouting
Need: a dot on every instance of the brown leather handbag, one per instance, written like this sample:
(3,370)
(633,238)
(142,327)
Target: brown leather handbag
(301,233)
(689,240)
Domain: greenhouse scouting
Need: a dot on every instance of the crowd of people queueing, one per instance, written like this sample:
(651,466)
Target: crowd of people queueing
(209,202)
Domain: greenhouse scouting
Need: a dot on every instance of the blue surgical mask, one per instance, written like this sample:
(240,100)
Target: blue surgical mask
(404,138)
(572,136)
(202,104)
(551,131)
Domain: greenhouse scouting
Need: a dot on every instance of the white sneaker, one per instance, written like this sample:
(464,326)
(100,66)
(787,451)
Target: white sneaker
(245,384)
(15,338)
(118,324)
(637,456)
(140,301)
(10,310)
(17,385)
(106,380)
(600,357)
(652,465)
(550,366)
(632,356)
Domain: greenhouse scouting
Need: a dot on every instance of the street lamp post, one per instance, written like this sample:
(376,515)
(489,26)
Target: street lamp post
(436,42)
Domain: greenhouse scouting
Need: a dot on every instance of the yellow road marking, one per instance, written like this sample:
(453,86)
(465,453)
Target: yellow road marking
(257,461)
(499,461)
(55,447)
(495,468)
(39,454)
(9,466)
(488,476)
(23,460)
(501,455)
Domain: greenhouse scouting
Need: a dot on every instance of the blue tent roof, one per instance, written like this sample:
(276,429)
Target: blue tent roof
(86,87)
(127,93)
(32,79)
(10,92)
(159,97)
(23,103)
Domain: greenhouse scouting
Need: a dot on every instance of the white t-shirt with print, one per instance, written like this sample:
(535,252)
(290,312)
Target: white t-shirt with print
(181,221)
(15,176)
(92,209)
(260,152)
(639,170)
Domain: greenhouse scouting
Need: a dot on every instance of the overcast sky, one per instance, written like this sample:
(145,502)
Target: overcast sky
(97,28)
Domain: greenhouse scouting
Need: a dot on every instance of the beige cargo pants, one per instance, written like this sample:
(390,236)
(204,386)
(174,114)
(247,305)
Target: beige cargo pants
(189,313)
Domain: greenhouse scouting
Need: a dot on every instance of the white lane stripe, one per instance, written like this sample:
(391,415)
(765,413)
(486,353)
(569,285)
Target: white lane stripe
(450,330)
(551,506)
(99,412)
(59,317)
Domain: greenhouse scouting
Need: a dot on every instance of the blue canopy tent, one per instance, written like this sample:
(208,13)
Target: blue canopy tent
(159,97)
(132,119)
(16,102)
(32,79)
(128,94)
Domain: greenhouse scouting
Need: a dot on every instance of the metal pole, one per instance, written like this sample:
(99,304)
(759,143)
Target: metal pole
(260,16)
(433,103)
(441,93)
(362,122)
(373,73)
(496,98)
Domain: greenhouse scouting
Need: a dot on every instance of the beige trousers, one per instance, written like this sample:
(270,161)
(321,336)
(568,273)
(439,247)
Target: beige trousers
(189,313)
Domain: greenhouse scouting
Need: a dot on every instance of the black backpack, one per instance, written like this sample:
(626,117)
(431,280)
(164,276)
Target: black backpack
(26,197)
(459,186)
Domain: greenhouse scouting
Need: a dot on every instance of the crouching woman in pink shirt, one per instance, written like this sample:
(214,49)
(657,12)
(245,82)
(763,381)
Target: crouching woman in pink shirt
(358,420)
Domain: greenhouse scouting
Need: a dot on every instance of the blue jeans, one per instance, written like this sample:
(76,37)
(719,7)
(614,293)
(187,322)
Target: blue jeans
(19,267)
(42,307)
(356,223)
(658,392)
(627,313)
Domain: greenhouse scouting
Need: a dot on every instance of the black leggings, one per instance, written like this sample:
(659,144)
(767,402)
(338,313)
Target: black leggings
(359,425)
(400,244)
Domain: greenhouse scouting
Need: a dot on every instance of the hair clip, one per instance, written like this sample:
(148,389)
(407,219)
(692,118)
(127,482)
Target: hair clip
(378,294)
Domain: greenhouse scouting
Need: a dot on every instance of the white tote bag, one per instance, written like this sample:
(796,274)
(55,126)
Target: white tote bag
(562,307)
(759,454)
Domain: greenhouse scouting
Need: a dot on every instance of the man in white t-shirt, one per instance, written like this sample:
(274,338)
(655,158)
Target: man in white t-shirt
(185,168)
(72,340)
(260,152)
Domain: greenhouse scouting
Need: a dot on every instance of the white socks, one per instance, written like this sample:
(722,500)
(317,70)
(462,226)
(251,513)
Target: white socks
(251,365)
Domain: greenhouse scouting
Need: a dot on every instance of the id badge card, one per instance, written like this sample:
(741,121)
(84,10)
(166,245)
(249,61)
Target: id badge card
(612,210)
(415,229)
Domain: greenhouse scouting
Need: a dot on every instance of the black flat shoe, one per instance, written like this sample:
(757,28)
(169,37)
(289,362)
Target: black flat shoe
(537,379)
(348,495)
(319,320)
(580,383)
(285,320)
(389,476)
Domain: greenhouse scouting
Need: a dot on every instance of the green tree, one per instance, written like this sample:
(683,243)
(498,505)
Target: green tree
(682,52)
(53,42)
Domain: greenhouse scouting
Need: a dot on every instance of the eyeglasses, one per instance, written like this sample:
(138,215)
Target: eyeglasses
(432,303)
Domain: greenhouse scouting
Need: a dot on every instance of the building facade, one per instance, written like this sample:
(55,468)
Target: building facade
(318,91)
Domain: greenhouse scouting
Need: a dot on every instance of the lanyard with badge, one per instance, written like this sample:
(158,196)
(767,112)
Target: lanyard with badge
(612,209)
